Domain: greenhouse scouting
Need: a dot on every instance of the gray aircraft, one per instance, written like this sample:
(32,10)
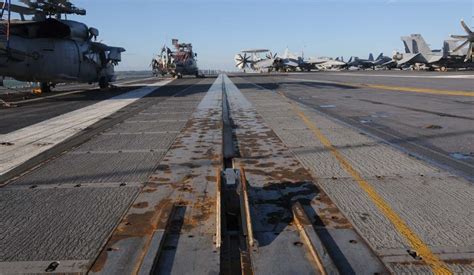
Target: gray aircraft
(370,63)
(468,40)
(49,49)
(452,55)
(176,63)
(326,63)
(417,51)
(253,59)
(289,62)
(355,61)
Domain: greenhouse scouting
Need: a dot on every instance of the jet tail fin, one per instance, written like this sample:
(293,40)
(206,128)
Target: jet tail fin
(371,57)
(380,56)
(420,45)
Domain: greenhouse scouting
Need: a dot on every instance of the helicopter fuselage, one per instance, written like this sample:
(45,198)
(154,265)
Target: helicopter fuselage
(53,60)
(56,51)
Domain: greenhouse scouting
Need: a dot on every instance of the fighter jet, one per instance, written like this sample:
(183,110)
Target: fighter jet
(181,61)
(417,51)
(326,63)
(51,50)
(452,55)
(360,63)
(291,62)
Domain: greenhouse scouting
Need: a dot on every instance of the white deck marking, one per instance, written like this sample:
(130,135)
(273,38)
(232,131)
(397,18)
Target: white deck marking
(38,138)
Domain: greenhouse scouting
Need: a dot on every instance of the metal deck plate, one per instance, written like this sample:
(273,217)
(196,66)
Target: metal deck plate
(59,224)
(436,205)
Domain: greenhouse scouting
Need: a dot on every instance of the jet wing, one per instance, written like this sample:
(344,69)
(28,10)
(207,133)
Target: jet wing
(434,58)
(316,61)
(334,63)
(291,63)
(389,63)
(411,58)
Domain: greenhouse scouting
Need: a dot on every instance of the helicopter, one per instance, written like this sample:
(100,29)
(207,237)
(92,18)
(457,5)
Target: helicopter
(50,49)
(177,63)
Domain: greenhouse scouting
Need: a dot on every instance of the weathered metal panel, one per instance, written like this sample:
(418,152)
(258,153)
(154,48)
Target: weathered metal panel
(59,224)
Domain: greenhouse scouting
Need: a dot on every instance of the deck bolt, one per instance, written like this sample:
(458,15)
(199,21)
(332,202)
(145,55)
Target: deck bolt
(52,266)
(298,244)
(7,143)
(414,254)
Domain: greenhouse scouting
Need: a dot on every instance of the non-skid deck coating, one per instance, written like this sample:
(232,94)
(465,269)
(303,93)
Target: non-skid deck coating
(103,206)
(277,181)
(185,179)
(436,205)
(66,209)
(31,141)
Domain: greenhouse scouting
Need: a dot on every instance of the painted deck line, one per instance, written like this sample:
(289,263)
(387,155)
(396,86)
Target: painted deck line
(394,88)
(24,144)
(457,76)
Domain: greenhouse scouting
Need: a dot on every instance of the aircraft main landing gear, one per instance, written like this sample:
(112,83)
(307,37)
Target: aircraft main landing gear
(103,83)
(45,87)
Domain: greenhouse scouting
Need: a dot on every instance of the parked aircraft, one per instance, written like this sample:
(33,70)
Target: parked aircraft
(369,63)
(325,63)
(468,40)
(181,61)
(49,49)
(252,59)
(360,63)
(418,53)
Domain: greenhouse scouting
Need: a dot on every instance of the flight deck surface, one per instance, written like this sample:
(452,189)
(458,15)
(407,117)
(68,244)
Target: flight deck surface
(305,173)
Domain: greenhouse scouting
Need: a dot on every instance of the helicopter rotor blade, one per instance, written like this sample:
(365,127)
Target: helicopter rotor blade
(465,27)
(470,52)
(461,46)
(460,37)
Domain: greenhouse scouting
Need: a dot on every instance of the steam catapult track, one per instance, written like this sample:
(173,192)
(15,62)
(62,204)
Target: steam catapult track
(226,175)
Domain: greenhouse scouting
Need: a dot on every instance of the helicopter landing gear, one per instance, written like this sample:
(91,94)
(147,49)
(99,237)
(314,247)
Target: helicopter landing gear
(103,83)
(45,87)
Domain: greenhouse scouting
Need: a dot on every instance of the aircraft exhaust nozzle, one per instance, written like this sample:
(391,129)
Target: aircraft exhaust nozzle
(397,56)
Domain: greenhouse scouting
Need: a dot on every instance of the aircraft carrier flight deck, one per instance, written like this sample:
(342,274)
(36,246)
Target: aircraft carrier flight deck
(356,172)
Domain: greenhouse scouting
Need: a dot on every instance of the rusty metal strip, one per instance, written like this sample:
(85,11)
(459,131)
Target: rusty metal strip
(218,208)
(247,228)
(314,244)
(154,246)
(246,217)
(131,261)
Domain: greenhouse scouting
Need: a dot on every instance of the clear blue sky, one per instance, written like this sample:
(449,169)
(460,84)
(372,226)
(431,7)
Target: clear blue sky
(219,29)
